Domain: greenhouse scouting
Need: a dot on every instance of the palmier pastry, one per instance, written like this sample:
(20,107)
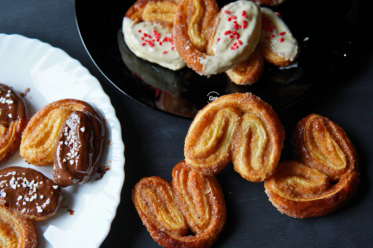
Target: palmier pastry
(147,29)
(16,232)
(324,146)
(323,179)
(277,44)
(194,202)
(212,42)
(248,71)
(14,116)
(238,127)
(29,193)
(68,133)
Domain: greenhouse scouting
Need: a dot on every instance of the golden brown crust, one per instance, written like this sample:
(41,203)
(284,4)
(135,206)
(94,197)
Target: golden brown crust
(16,232)
(11,131)
(302,192)
(323,145)
(248,71)
(164,210)
(238,127)
(40,136)
(324,178)
(194,25)
(159,11)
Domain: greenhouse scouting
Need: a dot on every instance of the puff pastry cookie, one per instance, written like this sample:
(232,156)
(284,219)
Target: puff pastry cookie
(14,116)
(29,193)
(193,202)
(325,177)
(212,42)
(68,133)
(147,29)
(240,128)
(16,232)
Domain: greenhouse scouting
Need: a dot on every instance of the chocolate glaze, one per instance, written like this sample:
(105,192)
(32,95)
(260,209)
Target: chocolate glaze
(102,171)
(12,106)
(79,148)
(29,192)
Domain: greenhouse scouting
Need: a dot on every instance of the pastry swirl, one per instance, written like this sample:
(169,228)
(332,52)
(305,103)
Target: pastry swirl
(240,128)
(194,202)
(16,232)
(44,141)
(323,145)
(323,179)
(212,42)
(14,116)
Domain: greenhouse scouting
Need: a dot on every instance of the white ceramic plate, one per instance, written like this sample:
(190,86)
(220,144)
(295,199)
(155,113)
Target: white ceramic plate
(51,75)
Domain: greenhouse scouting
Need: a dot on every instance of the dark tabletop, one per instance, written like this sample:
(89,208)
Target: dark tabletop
(154,141)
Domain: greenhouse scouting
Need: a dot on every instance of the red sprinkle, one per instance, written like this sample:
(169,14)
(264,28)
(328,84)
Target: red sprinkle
(151,44)
(227,32)
(232,48)
(235,26)
(273,35)
(229,19)
(235,22)
(244,24)
(282,33)
(172,48)
(233,17)
(142,38)
(143,44)
(226,12)
(239,42)
(278,14)
(139,31)
(218,39)
(160,43)
(235,44)
(243,13)
(230,36)
(273,27)
(164,52)
(282,40)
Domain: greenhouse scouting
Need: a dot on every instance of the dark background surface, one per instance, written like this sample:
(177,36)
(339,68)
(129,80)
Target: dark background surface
(154,142)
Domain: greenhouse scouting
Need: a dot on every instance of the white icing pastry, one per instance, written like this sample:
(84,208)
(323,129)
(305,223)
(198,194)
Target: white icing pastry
(152,42)
(235,38)
(277,36)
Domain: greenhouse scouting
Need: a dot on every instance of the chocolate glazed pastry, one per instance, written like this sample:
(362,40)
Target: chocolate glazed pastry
(29,193)
(14,116)
(68,133)
(16,232)
(324,178)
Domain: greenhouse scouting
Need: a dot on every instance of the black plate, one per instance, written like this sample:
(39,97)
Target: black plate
(323,30)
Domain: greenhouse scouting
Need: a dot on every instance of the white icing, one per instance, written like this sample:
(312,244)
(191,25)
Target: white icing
(225,58)
(164,54)
(284,45)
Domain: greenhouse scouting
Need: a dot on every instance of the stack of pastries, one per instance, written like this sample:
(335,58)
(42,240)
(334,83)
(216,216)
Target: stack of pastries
(236,39)
(244,129)
(68,134)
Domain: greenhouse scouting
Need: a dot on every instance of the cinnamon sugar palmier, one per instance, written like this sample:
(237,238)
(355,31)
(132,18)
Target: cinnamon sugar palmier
(300,191)
(324,178)
(147,29)
(323,145)
(248,71)
(14,116)
(211,42)
(277,44)
(193,202)
(238,127)
(16,232)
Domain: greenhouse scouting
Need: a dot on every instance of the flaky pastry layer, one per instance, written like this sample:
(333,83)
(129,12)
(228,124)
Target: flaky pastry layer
(193,201)
(16,232)
(240,128)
